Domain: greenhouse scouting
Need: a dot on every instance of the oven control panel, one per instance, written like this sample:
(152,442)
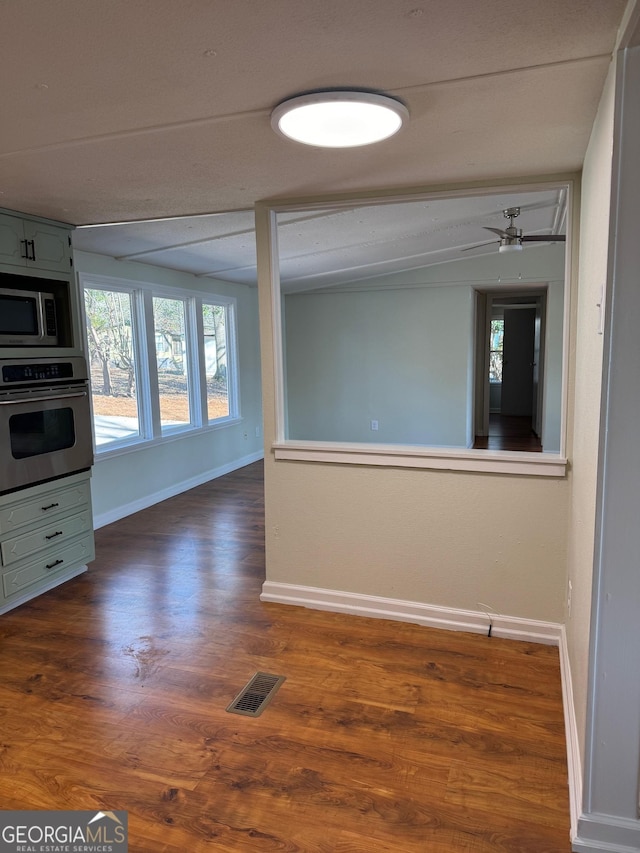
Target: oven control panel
(26,372)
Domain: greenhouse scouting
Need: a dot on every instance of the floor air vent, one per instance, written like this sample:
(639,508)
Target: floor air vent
(254,698)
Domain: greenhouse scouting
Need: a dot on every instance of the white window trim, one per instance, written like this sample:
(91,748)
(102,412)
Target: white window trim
(231,337)
(142,293)
(403,456)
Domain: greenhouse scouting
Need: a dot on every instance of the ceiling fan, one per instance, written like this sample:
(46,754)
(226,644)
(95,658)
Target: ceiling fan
(512,238)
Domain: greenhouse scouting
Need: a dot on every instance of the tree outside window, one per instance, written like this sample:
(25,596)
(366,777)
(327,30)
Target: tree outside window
(172,362)
(112,364)
(496,341)
(214,323)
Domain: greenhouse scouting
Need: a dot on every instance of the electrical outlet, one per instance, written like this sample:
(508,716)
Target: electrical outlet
(258,432)
(569,591)
(374,425)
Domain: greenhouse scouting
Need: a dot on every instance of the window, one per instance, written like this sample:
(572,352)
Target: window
(112,363)
(214,324)
(162,362)
(172,362)
(496,342)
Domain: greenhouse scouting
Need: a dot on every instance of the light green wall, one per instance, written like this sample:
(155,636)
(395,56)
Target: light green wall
(399,349)
(140,477)
(400,357)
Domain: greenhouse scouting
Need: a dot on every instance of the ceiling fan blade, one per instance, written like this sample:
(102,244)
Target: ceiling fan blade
(479,245)
(544,238)
(497,231)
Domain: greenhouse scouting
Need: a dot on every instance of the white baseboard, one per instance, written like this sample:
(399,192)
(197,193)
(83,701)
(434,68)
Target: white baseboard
(174,489)
(602,833)
(377,607)
(574,763)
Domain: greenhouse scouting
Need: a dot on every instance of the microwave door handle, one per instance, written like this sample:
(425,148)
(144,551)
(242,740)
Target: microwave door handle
(16,401)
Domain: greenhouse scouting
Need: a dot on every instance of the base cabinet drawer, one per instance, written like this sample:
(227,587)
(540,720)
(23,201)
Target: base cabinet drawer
(57,560)
(47,505)
(46,537)
(17,547)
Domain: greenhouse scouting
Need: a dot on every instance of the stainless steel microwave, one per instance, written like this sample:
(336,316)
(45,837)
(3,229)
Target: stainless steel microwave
(27,318)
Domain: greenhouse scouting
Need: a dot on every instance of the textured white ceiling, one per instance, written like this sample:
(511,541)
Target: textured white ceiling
(135,109)
(321,248)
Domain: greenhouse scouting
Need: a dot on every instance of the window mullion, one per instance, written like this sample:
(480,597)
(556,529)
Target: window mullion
(151,366)
(141,360)
(200,378)
(232,363)
(193,336)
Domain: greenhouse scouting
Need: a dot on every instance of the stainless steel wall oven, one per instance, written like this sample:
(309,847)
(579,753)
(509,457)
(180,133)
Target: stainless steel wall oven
(45,420)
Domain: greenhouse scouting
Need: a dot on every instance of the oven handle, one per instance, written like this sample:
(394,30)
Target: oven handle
(18,400)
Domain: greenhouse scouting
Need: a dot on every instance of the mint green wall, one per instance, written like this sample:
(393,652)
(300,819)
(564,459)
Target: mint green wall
(140,477)
(399,349)
(400,357)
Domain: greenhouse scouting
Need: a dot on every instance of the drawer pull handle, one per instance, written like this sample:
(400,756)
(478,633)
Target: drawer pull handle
(55,563)
(53,535)
(24,244)
(51,506)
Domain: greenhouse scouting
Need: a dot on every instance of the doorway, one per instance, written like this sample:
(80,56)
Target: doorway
(509,358)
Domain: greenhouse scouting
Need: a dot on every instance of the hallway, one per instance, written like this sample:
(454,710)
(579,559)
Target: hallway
(509,433)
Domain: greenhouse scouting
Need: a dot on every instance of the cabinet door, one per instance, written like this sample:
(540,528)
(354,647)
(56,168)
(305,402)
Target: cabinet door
(50,246)
(12,246)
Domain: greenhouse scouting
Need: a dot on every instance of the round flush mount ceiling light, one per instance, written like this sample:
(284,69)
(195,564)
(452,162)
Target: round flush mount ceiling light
(339,118)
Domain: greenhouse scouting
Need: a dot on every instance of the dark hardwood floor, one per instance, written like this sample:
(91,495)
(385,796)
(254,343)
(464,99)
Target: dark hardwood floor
(385,737)
(508,432)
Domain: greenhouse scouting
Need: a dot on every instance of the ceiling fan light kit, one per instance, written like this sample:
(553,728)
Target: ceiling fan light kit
(339,118)
(510,244)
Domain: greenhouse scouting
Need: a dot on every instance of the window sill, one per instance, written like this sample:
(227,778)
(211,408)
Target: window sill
(175,435)
(447,459)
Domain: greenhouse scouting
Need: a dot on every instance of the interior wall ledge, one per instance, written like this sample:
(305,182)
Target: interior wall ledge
(401,456)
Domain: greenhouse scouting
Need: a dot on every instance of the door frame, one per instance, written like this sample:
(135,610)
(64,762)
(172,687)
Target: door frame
(484,303)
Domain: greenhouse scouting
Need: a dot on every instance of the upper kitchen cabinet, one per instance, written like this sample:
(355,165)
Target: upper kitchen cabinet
(34,244)
(36,273)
